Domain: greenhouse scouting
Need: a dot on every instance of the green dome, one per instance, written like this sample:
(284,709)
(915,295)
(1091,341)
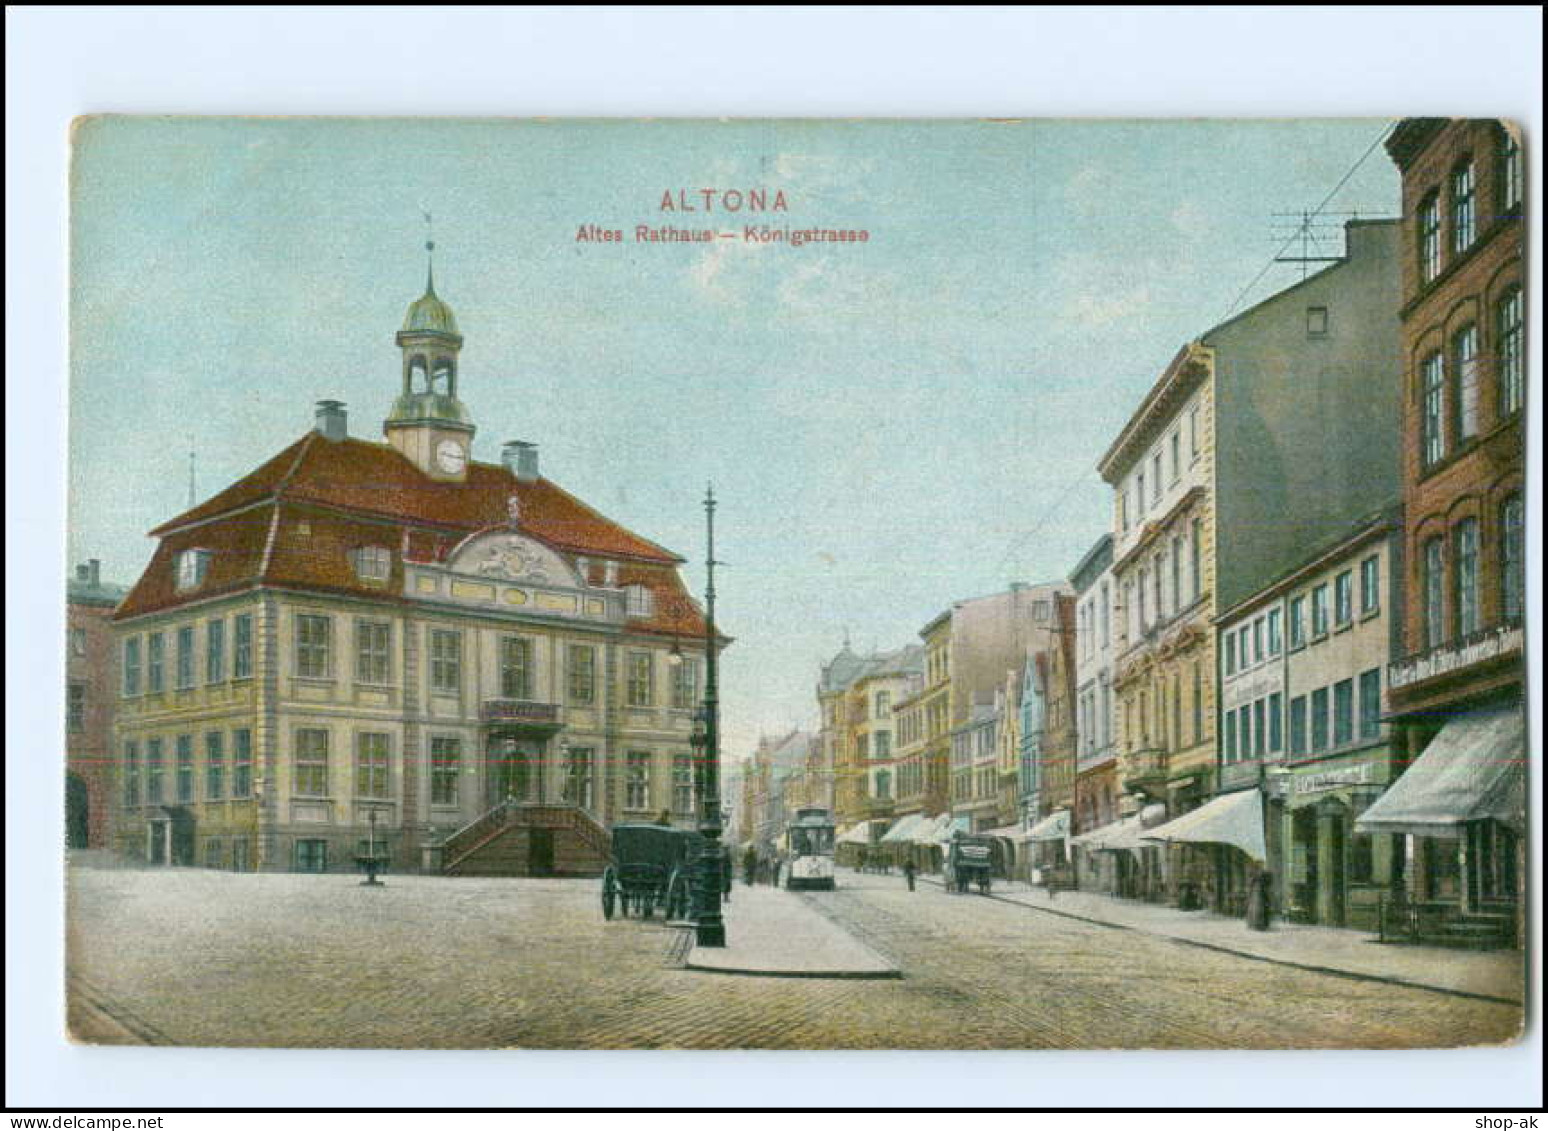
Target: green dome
(428,314)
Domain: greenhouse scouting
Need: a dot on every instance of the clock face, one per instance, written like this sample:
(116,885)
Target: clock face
(449,456)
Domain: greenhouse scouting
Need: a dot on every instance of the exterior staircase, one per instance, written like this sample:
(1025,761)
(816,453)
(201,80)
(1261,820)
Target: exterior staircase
(519,839)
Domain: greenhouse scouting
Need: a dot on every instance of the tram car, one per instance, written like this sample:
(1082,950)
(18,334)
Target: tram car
(809,851)
(969,862)
(652,866)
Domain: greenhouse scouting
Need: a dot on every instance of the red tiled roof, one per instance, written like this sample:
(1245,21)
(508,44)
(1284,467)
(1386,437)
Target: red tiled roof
(325,498)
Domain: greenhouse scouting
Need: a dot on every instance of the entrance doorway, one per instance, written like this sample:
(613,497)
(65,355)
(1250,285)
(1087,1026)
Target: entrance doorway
(540,852)
(77,812)
(512,769)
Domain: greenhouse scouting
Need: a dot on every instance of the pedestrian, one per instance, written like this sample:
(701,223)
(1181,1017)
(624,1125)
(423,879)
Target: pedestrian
(725,874)
(778,864)
(908,873)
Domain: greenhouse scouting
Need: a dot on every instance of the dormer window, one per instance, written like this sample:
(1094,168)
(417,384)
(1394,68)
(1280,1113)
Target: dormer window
(640,600)
(373,563)
(192,566)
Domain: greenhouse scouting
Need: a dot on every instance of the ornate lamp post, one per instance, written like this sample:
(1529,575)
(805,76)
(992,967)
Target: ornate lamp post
(370,860)
(709,927)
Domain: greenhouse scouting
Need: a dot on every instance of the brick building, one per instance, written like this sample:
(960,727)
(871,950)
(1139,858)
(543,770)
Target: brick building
(91,680)
(1456,691)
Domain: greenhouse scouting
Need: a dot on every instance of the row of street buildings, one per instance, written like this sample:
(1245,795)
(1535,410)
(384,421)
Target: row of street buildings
(1293,654)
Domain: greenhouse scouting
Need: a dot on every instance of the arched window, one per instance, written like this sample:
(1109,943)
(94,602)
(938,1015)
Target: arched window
(1512,549)
(1465,538)
(418,375)
(442,377)
(1434,567)
(1510,351)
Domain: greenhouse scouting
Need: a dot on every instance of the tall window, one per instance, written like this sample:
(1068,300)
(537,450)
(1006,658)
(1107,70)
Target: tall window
(155,771)
(1370,703)
(685,688)
(682,784)
(75,707)
(241,763)
(1512,563)
(1230,653)
(1467,576)
(185,769)
(1230,736)
(1139,495)
(1198,703)
(1512,357)
(1370,584)
(1319,719)
(1193,431)
(1464,352)
(1298,725)
(371,769)
(1429,238)
(214,765)
(1275,633)
(445,769)
(373,651)
(1198,551)
(577,776)
(1177,557)
(131,774)
(516,667)
(215,651)
(1510,172)
(312,634)
(1343,712)
(1464,220)
(1276,723)
(1259,729)
(640,691)
(1257,640)
(155,663)
(637,780)
(583,673)
(1433,378)
(132,666)
(1319,611)
(1176,456)
(1155,478)
(242,646)
(1102,616)
(446,661)
(1434,593)
(1297,621)
(1144,619)
(311,768)
(1343,598)
(185,657)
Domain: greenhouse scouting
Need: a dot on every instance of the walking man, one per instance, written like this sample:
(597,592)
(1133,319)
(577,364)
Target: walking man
(908,873)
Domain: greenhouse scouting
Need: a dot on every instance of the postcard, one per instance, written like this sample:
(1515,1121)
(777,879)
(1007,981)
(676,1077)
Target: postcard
(796,584)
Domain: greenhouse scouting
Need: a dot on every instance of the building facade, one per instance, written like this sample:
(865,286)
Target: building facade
(1460,674)
(1096,770)
(91,693)
(394,649)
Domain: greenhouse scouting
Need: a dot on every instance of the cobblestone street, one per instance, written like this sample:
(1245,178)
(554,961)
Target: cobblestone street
(191,957)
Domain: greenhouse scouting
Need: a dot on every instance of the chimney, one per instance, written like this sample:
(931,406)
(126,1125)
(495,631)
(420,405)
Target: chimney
(94,571)
(521,460)
(332,420)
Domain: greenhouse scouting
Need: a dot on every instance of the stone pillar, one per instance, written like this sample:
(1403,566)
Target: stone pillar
(1330,864)
(166,834)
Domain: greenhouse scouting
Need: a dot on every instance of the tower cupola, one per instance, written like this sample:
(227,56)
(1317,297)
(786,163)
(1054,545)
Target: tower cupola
(428,424)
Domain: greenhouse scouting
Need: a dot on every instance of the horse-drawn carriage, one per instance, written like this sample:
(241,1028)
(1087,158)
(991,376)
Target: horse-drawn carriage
(652,866)
(969,861)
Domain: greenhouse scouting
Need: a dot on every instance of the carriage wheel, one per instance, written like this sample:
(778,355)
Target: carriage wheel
(609,893)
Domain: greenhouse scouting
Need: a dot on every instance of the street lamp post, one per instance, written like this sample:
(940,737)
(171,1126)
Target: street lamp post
(369,860)
(709,926)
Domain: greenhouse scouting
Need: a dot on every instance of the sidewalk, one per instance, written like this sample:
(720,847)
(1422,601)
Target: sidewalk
(1496,975)
(775,934)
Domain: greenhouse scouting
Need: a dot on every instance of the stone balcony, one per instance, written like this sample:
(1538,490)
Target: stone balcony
(1143,771)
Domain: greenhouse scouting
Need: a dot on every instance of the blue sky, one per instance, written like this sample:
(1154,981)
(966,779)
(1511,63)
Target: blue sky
(888,426)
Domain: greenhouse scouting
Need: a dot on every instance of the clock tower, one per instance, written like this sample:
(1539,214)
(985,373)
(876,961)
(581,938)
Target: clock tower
(428,424)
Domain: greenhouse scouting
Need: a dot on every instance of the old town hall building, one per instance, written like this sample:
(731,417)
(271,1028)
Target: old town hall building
(390,648)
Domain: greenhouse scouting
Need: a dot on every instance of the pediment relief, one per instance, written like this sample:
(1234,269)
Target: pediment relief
(512,557)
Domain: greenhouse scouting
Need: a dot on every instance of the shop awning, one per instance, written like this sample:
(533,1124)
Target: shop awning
(1055,826)
(929,830)
(1471,771)
(1007,832)
(1235,819)
(904,828)
(855,834)
(1119,836)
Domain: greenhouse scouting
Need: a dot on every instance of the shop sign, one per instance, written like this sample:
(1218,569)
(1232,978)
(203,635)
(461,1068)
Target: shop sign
(1363,774)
